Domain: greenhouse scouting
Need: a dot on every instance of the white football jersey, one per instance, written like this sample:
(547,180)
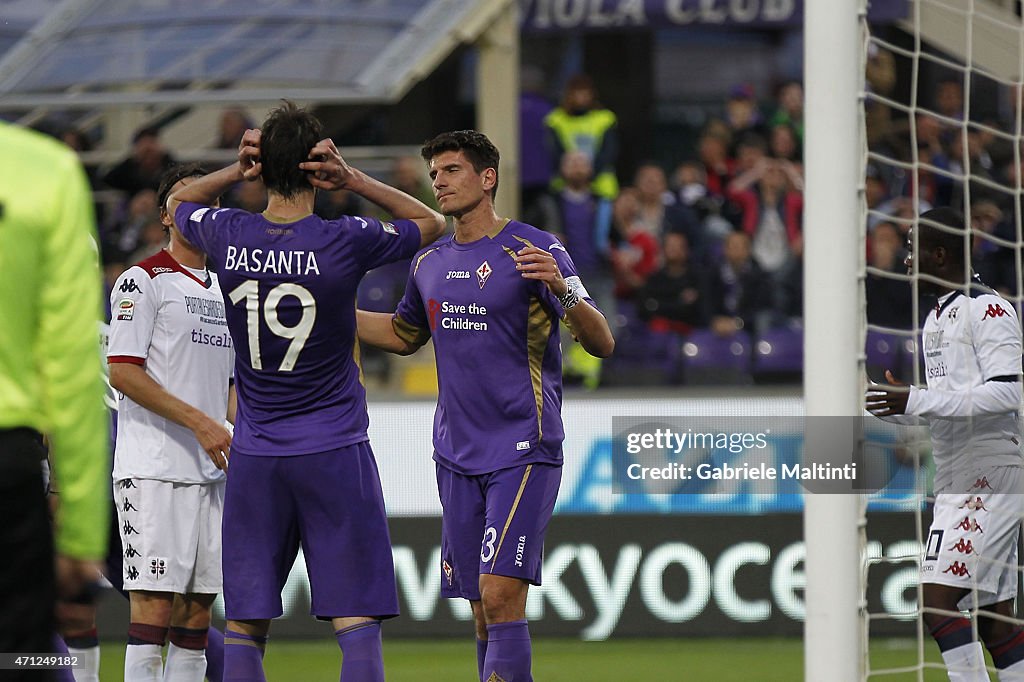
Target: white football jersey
(972,356)
(167,320)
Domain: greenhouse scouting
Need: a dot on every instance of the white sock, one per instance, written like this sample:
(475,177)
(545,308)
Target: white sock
(89,659)
(1013,673)
(184,665)
(966,663)
(142,663)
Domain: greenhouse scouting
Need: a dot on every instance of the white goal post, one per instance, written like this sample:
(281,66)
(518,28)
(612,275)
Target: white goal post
(833,324)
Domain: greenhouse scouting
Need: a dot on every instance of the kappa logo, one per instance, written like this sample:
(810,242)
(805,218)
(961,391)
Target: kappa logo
(126,309)
(994,310)
(963,547)
(981,483)
(969,525)
(483,273)
(157,567)
(958,569)
(447,569)
(128,286)
(974,505)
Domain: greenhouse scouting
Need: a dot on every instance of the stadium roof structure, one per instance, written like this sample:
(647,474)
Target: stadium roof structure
(96,54)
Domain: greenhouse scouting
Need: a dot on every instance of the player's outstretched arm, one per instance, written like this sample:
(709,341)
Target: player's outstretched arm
(588,324)
(329,171)
(206,189)
(377,329)
(133,381)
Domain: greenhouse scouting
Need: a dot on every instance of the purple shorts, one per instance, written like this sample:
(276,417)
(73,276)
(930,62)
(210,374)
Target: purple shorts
(494,523)
(332,505)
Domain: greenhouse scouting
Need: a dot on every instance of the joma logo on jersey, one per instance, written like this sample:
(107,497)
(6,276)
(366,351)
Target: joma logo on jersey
(994,310)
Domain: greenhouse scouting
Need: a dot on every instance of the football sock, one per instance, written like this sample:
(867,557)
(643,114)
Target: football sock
(186,655)
(508,652)
(362,653)
(1008,656)
(61,649)
(142,660)
(86,646)
(481,655)
(215,655)
(243,656)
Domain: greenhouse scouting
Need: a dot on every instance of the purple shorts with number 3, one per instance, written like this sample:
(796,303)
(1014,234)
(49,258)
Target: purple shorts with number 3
(494,523)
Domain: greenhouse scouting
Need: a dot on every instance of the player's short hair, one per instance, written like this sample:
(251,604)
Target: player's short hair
(930,236)
(288,133)
(480,151)
(171,177)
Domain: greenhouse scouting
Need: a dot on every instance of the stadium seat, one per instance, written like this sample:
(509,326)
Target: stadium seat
(779,354)
(712,359)
(889,351)
(642,357)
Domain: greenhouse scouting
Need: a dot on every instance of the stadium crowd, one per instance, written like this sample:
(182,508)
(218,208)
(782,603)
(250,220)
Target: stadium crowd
(701,263)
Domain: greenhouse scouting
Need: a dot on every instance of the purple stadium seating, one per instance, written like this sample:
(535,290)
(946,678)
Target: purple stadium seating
(779,351)
(711,359)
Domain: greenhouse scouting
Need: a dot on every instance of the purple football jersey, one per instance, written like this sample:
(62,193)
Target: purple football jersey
(499,363)
(289,290)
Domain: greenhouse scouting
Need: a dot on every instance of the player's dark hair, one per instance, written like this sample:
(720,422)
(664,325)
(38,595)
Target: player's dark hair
(287,136)
(172,176)
(480,151)
(930,235)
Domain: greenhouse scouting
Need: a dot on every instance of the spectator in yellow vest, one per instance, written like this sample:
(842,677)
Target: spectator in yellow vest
(581,123)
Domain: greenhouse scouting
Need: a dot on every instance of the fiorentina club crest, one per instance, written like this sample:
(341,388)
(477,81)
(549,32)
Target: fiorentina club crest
(446,567)
(482,273)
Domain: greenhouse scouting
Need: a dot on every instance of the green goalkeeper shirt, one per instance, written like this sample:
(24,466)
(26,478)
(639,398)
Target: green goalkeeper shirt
(50,371)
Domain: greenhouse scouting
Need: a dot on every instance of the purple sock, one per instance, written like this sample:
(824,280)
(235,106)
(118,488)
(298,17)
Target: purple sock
(61,649)
(362,654)
(243,656)
(481,656)
(215,655)
(508,653)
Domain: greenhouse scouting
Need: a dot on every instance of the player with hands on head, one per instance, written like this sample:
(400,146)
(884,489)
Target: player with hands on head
(491,296)
(302,471)
(971,343)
